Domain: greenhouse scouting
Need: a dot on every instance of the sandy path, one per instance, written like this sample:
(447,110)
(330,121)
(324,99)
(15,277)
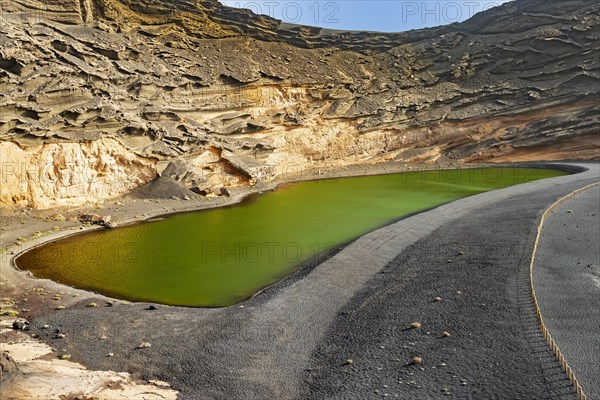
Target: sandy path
(567,283)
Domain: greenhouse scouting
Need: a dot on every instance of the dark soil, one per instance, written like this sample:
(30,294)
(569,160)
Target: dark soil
(494,350)
(280,346)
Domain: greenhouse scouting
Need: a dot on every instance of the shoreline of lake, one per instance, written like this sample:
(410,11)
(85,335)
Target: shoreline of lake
(42,306)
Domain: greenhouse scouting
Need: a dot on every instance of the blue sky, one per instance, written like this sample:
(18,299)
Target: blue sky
(371,15)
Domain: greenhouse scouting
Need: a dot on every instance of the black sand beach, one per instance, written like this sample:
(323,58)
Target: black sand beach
(294,340)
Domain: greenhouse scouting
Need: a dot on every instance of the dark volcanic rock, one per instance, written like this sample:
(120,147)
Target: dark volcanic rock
(21,324)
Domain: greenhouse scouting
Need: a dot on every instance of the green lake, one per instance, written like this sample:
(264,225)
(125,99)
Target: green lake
(222,256)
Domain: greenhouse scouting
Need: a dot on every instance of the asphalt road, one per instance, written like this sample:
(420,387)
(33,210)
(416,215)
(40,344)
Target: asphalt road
(567,283)
(292,340)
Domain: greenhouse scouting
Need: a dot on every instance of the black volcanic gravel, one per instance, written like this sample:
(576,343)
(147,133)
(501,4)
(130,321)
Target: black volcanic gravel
(494,350)
(243,353)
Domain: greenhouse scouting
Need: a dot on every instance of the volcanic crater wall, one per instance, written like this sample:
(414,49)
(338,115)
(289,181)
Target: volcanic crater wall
(223,97)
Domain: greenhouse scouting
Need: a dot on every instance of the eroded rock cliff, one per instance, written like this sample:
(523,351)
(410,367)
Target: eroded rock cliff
(230,98)
(52,174)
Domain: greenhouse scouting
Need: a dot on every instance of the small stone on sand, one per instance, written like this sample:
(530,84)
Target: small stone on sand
(415,325)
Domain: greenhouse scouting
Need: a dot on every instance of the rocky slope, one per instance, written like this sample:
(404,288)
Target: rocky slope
(99,96)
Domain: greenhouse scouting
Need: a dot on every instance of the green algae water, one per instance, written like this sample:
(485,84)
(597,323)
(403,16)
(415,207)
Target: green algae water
(222,256)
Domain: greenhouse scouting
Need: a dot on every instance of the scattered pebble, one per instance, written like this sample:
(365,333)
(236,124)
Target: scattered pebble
(45,326)
(110,354)
(91,305)
(445,334)
(103,337)
(144,345)
(415,325)
(417,360)
(60,307)
(60,336)
(349,362)
(65,357)
(437,298)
